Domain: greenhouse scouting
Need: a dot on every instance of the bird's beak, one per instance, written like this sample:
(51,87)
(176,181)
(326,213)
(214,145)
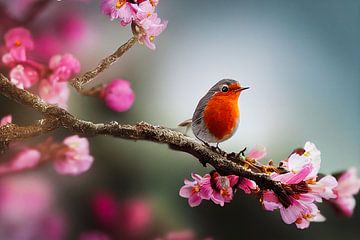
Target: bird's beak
(241,89)
(244,88)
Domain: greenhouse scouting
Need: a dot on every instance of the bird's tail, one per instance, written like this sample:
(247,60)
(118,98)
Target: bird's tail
(186,123)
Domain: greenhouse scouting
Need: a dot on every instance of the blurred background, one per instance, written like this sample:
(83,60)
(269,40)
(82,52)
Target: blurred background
(301,60)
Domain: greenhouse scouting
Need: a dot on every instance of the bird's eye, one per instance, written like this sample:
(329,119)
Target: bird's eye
(224,88)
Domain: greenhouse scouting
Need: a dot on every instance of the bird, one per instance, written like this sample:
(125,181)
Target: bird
(217,114)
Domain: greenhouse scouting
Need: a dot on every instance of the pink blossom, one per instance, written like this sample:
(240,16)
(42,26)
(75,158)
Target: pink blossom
(257,153)
(348,186)
(144,10)
(302,210)
(135,216)
(153,27)
(23,198)
(310,155)
(72,27)
(47,44)
(223,193)
(118,9)
(64,67)
(54,93)
(179,235)
(118,95)
(8,60)
(105,209)
(196,190)
(18,40)
(94,235)
(74,158)
(324,188)
(25,158)
(5,120)
(23,77)
(247,185)
(303,168)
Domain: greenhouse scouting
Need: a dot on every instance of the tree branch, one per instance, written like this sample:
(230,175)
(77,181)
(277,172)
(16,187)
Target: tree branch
(56,117)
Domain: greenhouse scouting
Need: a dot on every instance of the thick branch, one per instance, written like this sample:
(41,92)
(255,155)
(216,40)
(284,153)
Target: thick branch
(79,82)
(58,117)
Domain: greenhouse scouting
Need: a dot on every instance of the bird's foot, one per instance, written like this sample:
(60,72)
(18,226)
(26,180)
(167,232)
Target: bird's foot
(218,150)
(242,152)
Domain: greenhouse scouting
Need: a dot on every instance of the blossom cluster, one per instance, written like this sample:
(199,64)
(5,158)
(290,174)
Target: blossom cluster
(300,178)
(70,157)
(49,80)
(140,13)
(26,73)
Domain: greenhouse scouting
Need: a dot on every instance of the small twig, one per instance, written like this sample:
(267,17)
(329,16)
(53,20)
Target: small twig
(79,82)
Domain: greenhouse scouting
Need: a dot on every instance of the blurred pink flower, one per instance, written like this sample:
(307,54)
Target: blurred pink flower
(179,235)
(348,186)
(153,27)
(5,120)
(118,95)
(23,159)
(74,158)
(54,93)
(23,198)
(118,9)
(257,153)
(72,27)
(26,206)
(18,40)
(47,44)
(223,193)
(105,208)
(64,67)
(94,235)
(196,190)
(135,216)
(247,185)
(23,77)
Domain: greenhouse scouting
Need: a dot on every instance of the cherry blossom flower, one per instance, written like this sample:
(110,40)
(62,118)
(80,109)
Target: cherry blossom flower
(152,26)
(23,77)
(247,185)
(64,67)
(105,209)
(5,120)
(257,153)
(118,9)
(118,95)
(74,158)
(348,186)
(197,190)
(135,215)
(303,168)
(54,93)
(18,41)
(223,188)
(23,159)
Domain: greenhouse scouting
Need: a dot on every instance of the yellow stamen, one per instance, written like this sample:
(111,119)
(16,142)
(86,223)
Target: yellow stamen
(152,38)
(17,43)
(148,14)
(120,3)
(306,154)
(152,3)
(196,189)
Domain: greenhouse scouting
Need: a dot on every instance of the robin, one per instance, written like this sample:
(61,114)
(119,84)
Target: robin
(216,116)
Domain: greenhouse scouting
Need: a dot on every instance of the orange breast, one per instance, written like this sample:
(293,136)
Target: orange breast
(221,115)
